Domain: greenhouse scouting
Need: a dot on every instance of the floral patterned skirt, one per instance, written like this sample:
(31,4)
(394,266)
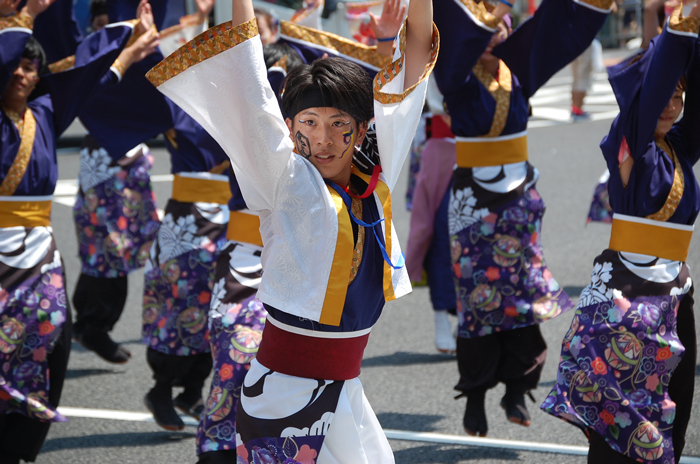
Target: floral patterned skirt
(32,315)
(619,355)
(236,322)
(179,276)
(115,213)
(501,277)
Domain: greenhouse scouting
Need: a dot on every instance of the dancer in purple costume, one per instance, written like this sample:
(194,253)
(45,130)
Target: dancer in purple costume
(35,321)
(504,288)
(627,368)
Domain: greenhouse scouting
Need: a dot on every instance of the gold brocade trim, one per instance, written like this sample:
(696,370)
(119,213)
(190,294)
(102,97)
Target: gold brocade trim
(344,46)
(600,4)
(208,44)
(120,68)
(62,65)
(17,20)
(220,168)
(185,22)
(360,244)
(482,14)
(500,91)
(303,13)
(171,135)
(281,63)
(676,193)
(21,161)
(678,23)
(135,35)
(388,74)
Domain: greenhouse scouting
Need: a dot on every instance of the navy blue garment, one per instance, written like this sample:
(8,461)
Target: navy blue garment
(121,116)
(57,31)
(438,260)
(642,93)
(67,94)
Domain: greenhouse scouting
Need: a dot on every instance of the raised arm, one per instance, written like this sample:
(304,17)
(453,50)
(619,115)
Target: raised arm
(220,79)
(643,88)
(559,31)
(465,29)
(15,31)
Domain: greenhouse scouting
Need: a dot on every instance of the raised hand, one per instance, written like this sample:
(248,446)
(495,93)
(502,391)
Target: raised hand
(8,7)
(389,23)
(35,7)
(204,7)
(144,12)
(144,45)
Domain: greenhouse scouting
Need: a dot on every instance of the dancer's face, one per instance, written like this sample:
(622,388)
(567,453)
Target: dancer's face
(670,114)
(327,137)
(22,83)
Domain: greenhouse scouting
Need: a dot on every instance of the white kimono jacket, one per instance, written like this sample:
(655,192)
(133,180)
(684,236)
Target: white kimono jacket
(219,78)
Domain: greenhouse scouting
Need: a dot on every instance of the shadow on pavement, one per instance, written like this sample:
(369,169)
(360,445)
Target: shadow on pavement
(414,422)
(449,454)
(697,370)
(80,373)
(401,358)
(110,440)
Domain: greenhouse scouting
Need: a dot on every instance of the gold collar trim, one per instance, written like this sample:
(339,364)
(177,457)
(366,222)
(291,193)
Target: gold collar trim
(500,90)
(676,193)
(27,131)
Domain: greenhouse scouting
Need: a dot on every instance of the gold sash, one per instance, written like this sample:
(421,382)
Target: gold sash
(646,237)
(25,213)
(244,227)
(27,131)
(195,189)
(485,151)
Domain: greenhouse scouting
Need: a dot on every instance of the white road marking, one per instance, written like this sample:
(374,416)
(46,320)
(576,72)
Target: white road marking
(404,435)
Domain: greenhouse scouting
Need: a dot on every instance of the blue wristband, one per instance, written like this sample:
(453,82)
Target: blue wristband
(386,39)
(506,2)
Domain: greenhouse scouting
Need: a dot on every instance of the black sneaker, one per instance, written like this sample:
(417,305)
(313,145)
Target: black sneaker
(105,347)
(514,405)
(475,414)
(191,408)
(163,412)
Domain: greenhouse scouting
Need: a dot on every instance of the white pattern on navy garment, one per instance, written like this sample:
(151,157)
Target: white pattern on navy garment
(36,244)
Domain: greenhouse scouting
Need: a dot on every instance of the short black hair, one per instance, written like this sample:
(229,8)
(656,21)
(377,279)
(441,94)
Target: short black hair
(346,83)
(273,52)
(33,51)
(97,8)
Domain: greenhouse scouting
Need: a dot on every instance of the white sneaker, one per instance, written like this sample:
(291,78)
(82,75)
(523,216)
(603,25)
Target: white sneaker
(444,340)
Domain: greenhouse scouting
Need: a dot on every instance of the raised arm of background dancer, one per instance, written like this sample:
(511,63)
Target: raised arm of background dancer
(688,126)
(559,31)
(15,31)
(652,8)
(465,29)
(146,43)
(661,67)
(387,25)
(70,90)
(204,7)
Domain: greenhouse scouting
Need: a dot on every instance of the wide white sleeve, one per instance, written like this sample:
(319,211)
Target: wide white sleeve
(397,110)
(219,78)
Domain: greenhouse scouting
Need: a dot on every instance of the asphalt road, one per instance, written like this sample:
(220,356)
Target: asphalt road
(408,383)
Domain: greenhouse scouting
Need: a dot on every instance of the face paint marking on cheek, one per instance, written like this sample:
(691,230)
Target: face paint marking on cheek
(303,145)
(349,140)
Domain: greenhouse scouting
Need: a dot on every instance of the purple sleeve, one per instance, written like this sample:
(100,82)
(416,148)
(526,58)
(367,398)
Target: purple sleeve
(463,39)
(643,88)
(12,43)
(71,90)
(559,31)
(688,126)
